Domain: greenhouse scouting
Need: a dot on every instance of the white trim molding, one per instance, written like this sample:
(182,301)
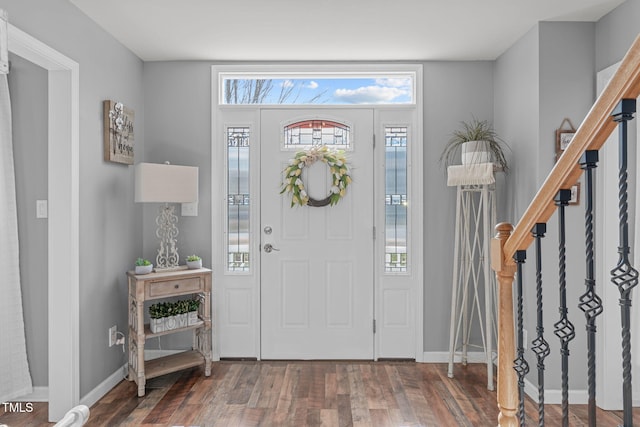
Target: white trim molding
(63,223)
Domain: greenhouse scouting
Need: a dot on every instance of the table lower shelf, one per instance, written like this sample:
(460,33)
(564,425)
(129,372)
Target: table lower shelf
(175,362)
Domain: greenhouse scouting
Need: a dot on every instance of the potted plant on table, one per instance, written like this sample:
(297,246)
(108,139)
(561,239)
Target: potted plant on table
(157,315)
(181,309)
(192,314)
(143,266)
(194,261)
(475,142)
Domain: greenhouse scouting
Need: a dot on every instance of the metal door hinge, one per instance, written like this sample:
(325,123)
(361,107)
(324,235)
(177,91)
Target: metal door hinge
(374,232)
(374,326)
(374,140)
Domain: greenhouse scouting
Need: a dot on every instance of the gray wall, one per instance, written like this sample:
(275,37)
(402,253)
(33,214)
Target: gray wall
(567,89)
(110,223)
(615,32)
(177,99)
(516,108)
(546,76)
(28,91)
(453,91)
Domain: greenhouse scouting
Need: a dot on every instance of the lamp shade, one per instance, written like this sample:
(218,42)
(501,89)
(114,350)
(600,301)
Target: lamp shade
(165,183)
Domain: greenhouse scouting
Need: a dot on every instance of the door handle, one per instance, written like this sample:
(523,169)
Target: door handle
(268,247)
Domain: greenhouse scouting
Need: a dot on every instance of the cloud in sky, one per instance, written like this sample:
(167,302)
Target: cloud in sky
(402,82)
(287,83)
(312,85)
(370,94)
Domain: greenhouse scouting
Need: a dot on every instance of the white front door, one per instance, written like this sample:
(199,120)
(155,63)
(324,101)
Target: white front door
(317,284)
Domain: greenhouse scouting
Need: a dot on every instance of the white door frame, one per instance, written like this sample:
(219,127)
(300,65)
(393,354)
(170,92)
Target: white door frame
(63,222)
(251,292)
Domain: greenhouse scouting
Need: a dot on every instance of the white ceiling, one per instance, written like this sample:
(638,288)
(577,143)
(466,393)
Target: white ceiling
(329,30)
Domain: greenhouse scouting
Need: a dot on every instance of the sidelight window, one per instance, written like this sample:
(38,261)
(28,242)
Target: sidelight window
(395,199)
(238,201)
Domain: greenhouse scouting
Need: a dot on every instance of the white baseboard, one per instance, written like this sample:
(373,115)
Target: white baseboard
(104,387)
(554,397)
(39,394)
(114,379)
(443,357)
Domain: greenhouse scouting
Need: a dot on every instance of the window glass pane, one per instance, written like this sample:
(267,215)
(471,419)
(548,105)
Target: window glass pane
(343,90)
(238,199)
(316,132)
(395,199)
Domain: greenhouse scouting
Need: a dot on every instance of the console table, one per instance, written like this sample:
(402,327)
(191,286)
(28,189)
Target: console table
(159,285)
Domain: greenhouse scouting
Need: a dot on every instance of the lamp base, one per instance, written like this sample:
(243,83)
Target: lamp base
(167,232)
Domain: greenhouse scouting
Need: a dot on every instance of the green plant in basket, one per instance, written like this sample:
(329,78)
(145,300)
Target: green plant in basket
(194,304)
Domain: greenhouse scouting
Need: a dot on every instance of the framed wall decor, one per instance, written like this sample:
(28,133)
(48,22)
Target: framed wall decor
(575,194)
(564,135)
(118,132)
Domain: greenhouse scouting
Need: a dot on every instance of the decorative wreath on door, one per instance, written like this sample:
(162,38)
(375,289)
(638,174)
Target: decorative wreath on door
(338,166)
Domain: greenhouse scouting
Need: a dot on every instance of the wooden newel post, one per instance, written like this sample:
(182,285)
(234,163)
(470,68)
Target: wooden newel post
(505,269)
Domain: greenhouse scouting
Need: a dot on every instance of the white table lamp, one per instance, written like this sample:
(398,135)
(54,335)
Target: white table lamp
(166,183)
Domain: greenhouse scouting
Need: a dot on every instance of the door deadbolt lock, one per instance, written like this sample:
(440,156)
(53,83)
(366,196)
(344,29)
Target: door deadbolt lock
(268,230)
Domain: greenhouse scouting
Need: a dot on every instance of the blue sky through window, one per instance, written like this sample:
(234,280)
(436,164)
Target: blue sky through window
(314,91)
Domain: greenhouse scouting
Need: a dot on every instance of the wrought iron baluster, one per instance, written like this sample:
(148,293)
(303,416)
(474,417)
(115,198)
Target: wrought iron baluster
(624,276)
(520,364)
(540,346)
(590,302)
(563,328)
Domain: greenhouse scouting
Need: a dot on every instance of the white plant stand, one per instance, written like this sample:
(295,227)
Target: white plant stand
(472,275)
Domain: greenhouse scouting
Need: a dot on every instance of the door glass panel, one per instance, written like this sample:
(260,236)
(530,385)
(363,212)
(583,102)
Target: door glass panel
(317,132)
(395,199)
(238,201)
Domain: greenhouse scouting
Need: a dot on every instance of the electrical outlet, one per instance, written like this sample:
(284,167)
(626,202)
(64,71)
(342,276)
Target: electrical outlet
(113,335)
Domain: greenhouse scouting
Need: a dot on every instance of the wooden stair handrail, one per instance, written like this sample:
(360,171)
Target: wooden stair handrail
(591,135)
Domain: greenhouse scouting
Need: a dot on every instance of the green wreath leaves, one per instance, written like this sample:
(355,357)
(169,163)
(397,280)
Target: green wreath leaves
(293,184)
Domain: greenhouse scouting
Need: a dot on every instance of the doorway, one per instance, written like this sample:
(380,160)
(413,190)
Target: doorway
(265,301)
(63,222)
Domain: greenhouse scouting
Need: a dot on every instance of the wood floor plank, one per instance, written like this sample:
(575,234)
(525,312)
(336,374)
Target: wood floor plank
(170,402)
(344,411)
(408,415)
(331,389)
(243,388)
(359,402)
(297,394)
(343,378)
(329,418)
(375,399)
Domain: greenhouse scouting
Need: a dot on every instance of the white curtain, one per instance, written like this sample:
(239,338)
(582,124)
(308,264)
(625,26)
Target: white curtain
(14,368)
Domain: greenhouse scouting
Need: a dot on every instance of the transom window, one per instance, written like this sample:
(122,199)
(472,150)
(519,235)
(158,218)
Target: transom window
(315,89)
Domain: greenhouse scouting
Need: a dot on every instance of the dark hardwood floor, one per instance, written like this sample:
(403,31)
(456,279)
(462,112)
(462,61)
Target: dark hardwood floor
(311,394)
